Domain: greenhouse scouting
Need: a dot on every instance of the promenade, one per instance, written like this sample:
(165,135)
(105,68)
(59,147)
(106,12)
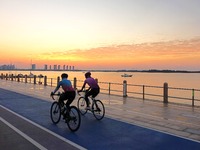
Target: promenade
(176,120)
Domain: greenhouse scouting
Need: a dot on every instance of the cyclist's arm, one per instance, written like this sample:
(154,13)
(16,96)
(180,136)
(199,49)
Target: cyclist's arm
(83,86)
(57,87)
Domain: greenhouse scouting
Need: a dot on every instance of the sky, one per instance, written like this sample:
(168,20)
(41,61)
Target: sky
(101,34)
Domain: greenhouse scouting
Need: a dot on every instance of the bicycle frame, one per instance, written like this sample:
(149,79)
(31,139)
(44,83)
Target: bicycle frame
(97,109)
(71,116)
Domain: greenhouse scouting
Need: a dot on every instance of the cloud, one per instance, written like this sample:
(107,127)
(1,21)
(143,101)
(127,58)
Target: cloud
(160,53)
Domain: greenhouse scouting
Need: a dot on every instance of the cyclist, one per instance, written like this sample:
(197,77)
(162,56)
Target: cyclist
(93,90)
(69,92)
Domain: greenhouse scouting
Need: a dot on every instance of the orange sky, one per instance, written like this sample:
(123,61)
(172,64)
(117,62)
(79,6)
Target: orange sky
(179,55)
(131,34)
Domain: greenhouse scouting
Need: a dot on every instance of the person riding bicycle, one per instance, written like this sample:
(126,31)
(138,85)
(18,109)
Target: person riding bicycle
(93,90)
(69,93)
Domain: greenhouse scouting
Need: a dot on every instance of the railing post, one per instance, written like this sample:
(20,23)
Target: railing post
(143,92)
(25,78)
(18,78)
(75,82)
(165,93)
(45,80)
(34,79)
(109,88)
(124,88)
(193,97)
(39,82)
(11,77)
(6,76)
(51,81)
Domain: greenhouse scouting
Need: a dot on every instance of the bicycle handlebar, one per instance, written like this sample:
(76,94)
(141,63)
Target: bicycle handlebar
(53,94)
(83,91)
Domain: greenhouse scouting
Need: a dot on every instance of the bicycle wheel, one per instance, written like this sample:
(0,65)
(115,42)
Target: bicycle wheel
(98,109)
(55,112)
(74,120)
(81,105)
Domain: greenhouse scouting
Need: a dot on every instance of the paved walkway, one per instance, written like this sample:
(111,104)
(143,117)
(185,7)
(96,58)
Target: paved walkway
(173,119)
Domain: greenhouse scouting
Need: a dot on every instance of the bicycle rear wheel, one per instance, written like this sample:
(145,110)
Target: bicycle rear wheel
(74,119)
(55,112)
(98,109)
(82,105)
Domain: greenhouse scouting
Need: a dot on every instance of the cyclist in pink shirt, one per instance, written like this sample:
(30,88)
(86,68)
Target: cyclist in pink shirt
(93,90)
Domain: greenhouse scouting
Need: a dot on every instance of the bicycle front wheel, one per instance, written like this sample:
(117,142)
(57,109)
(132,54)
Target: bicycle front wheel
(98,109)
(55,112)
(82,105)
(74,120)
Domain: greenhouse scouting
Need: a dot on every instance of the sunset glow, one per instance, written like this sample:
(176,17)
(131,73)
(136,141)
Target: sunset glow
(91,34)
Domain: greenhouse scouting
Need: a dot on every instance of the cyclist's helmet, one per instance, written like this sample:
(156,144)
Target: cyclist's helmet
(64,75)
(87,74)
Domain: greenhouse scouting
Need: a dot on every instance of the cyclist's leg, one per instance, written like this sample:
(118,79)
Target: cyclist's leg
(95,92)
(70,96)
(86,97)
(61,99)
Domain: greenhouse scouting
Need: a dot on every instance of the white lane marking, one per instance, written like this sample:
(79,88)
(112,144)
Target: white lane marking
(23,134)
(49,131)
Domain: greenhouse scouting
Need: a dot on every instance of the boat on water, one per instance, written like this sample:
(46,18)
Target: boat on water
(126,75)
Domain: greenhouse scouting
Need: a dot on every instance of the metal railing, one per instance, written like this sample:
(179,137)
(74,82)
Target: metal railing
(163,93)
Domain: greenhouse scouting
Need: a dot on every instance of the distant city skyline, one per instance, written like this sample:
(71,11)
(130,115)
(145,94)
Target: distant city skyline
(101,34)
(34,67)
(7,67)
(53,67)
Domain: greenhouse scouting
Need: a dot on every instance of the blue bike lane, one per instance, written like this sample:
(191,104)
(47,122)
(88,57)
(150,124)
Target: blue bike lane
(92,134)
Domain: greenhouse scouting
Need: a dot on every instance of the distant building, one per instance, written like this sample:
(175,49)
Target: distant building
(58,67)
(45,67)
(55,67)
(63,67)
(33,66)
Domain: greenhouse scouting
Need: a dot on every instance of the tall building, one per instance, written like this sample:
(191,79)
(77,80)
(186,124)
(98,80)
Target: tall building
(63,67)
(33,66)
(45,67)
(55,67)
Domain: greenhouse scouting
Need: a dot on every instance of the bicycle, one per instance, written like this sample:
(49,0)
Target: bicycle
(97,108)
(73,119)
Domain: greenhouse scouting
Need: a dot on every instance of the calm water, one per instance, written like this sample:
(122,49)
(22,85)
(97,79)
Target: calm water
(180,80)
